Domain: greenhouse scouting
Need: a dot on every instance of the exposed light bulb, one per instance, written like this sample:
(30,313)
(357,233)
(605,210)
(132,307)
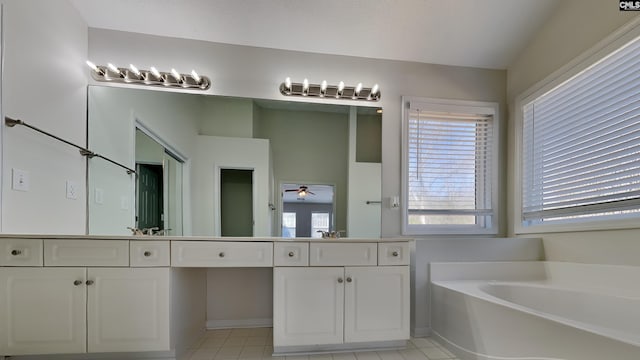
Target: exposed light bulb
(155,72)
(302,193)
(305,87)
(113,68)
(374,89)
(93,66)
(175,74)
(134,70)
(287,83)
(323,87)
(357,90)
(195,76)
(340,89)
(379,111)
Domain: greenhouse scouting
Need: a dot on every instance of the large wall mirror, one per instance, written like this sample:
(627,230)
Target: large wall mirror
(221,166)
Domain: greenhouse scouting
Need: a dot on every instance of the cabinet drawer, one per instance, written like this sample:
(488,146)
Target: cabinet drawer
(21,252)
(149,253)
(221,254)
(86,253)
(393,253)
(291,254)
(336,254)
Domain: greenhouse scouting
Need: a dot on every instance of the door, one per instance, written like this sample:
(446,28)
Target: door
(308,306)
(42,310)
(128,309)
(150,199)
(376,303)
(236,202)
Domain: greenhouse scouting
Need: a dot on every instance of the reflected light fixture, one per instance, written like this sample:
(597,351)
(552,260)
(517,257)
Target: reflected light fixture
(359,92)
(151,77)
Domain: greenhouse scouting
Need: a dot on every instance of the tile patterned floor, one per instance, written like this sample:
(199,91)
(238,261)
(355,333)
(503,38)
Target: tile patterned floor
(256,344)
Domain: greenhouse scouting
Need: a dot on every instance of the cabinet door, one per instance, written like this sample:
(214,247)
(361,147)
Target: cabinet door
(42,310)
(127,309)
(376,303)
(308,306)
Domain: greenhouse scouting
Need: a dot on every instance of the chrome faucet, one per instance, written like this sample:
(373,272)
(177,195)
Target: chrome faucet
(330,234)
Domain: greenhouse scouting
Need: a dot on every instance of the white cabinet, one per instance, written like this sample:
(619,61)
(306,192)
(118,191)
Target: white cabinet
(127,309)
(335,305)
(74,310)
(42,310)
(308,305)
(376,304)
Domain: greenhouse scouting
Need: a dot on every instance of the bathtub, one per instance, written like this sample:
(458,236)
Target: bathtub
(536,310)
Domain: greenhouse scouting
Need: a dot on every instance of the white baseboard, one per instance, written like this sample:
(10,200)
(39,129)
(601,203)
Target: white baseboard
(244,323)
(421,332)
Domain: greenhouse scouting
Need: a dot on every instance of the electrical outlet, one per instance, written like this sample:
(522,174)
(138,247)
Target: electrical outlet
(20,180)
(72,190)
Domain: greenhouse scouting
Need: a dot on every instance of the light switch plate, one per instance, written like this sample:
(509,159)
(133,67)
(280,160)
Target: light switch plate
(72,190)
(20,180)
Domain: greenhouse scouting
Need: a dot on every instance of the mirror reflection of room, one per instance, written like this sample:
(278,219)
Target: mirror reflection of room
(307,210)
(275,142)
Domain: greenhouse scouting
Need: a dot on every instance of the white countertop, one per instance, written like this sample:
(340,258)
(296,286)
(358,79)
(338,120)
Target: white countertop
(197,238)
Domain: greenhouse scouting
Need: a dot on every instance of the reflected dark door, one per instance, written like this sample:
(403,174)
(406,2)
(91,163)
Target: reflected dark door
(150,202)
(236,202)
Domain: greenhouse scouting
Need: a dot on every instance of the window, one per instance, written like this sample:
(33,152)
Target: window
(319,222)
(449,172)
(581,145)
(289,224)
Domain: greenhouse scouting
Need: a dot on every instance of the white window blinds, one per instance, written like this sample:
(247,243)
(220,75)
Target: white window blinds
(581,144)
(449,168)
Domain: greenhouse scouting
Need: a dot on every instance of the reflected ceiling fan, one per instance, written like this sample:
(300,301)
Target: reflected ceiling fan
(302,191)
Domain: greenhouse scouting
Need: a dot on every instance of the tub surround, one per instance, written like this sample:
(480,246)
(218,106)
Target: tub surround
(551,310)
(102,291)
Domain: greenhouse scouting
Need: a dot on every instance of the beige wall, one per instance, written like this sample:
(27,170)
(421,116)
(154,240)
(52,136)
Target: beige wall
(575,27)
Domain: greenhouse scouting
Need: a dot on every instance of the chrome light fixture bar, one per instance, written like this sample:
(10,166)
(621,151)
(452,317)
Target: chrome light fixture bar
(152,77)
(325,90)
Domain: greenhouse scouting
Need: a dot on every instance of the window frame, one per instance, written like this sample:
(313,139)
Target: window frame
(458,106)
(602,49)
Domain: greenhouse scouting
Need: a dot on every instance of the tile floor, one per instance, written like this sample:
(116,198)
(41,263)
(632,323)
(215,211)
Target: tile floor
(257,344)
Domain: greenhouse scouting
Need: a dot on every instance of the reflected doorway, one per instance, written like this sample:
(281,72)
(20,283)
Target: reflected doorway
(236,202)
(159,198)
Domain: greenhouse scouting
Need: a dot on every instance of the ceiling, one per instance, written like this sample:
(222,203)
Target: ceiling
(476,33)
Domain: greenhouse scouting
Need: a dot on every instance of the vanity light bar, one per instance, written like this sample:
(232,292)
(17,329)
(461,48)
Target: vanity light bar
(152,77)
(324,90)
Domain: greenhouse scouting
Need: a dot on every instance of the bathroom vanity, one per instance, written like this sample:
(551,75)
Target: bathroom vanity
(92,294)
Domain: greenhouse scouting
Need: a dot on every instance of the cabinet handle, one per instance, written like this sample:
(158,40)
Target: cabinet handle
(147,253)
(16,252)
(349,279)
(340,280)
(89,282)
(395,253)
(77,282)
(291,253)
(221,254)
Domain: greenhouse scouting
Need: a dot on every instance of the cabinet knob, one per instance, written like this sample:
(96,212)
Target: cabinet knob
(291,253)
(340,280)
(77,282)
(89,282)
(147,253)
(395,253)
(221,254)
(16,252)
(349,279)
